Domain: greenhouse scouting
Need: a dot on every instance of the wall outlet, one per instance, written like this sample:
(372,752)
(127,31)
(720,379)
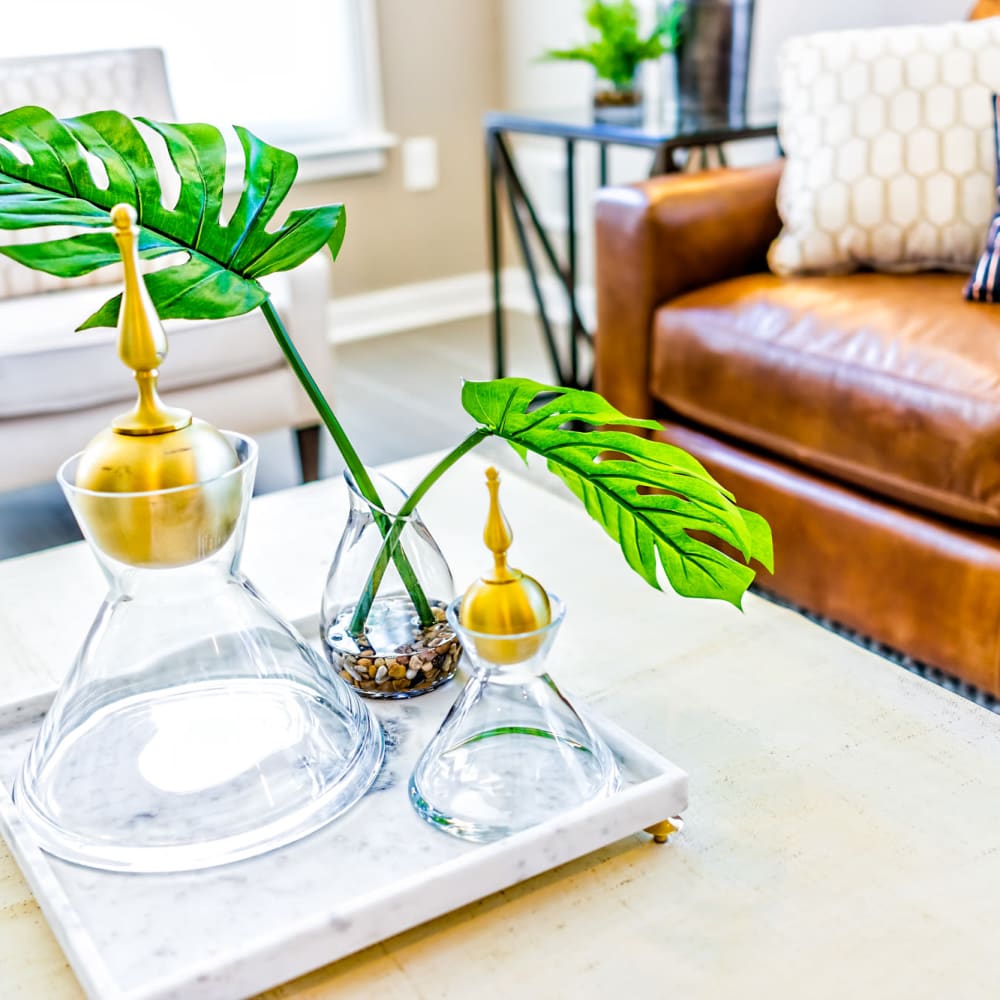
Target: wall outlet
(420,164)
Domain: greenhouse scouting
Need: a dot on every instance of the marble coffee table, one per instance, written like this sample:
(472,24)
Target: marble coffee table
(841,839)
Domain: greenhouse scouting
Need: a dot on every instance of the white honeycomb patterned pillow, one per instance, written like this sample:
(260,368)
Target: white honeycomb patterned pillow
(888,141)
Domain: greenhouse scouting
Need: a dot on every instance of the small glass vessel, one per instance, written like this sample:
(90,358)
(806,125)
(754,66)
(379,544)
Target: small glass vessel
(394,655)
(512,751)
(196,727)
(618,103)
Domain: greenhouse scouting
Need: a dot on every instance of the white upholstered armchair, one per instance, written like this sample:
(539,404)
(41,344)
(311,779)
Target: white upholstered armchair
(59,387)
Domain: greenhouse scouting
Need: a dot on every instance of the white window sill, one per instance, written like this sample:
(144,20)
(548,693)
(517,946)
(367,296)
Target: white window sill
(320,160)
(350,157)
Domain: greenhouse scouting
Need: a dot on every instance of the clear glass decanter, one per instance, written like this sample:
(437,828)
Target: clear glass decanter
(195,727)
(512,751)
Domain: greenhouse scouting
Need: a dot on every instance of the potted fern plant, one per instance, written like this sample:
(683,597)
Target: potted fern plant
(652,498)
(616,50)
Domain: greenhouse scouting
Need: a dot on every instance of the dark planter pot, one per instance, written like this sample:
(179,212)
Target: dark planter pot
(713,59)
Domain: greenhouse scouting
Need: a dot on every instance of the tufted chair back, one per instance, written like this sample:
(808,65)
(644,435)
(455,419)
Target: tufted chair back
(133,81)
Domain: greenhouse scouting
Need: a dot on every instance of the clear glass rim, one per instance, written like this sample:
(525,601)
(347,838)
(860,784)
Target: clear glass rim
(556,605)
(376,508)
(231,436)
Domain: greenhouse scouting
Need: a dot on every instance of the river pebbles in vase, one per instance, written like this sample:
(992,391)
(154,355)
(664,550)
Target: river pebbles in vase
(425,662)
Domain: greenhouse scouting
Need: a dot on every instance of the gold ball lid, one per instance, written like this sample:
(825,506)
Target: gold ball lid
(505,602)
(154,447)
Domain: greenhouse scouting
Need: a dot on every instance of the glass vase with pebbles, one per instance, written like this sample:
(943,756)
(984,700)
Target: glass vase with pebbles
(383,621)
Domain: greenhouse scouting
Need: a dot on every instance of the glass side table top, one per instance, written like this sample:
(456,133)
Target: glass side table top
(664,122)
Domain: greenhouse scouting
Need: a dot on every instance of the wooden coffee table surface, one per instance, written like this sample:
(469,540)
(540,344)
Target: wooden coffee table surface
(842,834)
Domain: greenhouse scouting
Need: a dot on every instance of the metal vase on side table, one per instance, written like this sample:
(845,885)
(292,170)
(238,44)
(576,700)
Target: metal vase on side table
(712,61)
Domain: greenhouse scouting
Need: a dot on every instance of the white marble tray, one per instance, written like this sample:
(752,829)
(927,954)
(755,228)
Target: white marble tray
(378,870)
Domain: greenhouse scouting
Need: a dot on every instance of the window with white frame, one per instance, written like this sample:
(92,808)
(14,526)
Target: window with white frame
(301,74)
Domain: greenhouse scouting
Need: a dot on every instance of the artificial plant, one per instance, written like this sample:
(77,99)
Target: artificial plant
(649,496)
(617,48)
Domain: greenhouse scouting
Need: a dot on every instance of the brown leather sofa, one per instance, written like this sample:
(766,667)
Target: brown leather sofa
(859,413)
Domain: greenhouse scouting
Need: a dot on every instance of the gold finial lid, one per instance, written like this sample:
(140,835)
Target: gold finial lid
(507,601)
(153,446)
(142,344)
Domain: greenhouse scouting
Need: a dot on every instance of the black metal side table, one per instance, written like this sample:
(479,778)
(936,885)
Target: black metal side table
(665,137)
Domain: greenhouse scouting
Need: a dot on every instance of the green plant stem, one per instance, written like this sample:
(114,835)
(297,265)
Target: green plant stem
(364,483)
(390,545)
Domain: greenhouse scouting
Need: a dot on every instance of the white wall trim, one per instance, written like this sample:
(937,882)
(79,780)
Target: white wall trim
(429,303)
(518,296)
(408,307)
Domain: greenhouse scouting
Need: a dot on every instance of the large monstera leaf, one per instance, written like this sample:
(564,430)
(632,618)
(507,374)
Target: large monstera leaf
(48,181)
(647,495)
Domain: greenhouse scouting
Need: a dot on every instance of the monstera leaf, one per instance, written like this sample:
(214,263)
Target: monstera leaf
(46,179)
(647,495)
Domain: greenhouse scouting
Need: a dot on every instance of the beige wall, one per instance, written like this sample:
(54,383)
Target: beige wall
(440,73)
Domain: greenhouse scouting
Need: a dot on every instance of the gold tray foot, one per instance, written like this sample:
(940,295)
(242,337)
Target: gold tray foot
(661,831)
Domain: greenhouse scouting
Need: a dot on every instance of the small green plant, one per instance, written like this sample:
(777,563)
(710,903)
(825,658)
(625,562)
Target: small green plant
(618,48)
(652,498)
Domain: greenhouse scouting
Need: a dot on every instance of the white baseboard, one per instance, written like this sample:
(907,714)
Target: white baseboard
(430,303)
(408,307)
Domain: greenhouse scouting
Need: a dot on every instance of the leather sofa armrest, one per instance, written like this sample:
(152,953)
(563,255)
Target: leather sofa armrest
(660,238)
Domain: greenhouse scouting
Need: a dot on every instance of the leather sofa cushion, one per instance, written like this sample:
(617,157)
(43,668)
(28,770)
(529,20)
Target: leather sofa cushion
(888,382)
(47,367)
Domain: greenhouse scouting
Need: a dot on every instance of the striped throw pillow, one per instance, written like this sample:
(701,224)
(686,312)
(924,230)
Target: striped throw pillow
(984,285)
